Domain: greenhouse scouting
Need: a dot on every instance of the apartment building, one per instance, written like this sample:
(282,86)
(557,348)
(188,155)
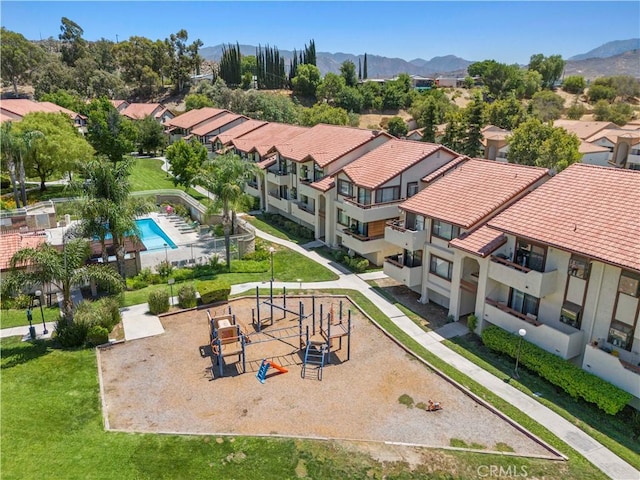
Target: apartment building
(222,141)
(138,111)
(182,125)
(370,189)
(211,128)
(455,201)
(299,179)
(563,264)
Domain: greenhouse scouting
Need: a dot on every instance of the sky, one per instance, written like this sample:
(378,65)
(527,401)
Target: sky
(506,31)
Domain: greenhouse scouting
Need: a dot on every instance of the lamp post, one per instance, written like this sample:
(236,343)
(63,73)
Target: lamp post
(171,281)
(522,332)
(166,253)
(32,329)
(271,250)
(44,325)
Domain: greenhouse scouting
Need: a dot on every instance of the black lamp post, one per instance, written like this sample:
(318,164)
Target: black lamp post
(171,281)
(44,325)
(32,329)
(271,250)
(166,253)
(522,332)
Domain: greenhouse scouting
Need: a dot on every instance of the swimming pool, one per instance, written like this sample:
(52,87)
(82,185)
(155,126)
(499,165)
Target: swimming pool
(151,235)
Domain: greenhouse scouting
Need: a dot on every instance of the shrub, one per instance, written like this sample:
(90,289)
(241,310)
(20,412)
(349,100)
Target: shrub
(182,274)
(356,264)
(110,312)
(571,378)
(158,301)
(182,211)
(136,283)
(215,265)
(22,301)
(97,335)
(218,230)
(164,269)
(212,291)
(187,296)
(574,84)
(71,334)
(472,322)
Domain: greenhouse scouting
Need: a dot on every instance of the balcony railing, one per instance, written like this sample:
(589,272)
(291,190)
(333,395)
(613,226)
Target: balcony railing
(503,306)
(305,207)
(536,283)
(398,225)
(362,238)
(365,206)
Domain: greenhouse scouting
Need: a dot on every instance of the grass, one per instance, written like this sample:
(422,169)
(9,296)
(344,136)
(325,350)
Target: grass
(456,442)
(147,174)
(612,431)
(259,223)
(405,400)
(16,318)
(413,316)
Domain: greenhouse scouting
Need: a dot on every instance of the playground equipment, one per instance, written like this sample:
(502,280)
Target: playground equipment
(433,406)
(227,340)
(314,355)
(264,366)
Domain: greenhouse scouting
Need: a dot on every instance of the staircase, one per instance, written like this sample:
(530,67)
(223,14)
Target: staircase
(314,357)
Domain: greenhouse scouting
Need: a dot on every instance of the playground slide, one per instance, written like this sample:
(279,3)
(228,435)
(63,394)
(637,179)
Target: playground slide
(280,368)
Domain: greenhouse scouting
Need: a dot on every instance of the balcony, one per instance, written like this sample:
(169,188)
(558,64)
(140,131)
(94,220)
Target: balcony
(409,276)
(307,190)
(362,244)
(305,212)
(621,373)
(279,177)
(532,282)
(279,202)
(562,340)
(396,234)
(371,212)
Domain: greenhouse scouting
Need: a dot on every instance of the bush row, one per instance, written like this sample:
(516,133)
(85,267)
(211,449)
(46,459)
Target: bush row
(212,291)
(572,379)
(92,323)
(356,264)
(288,226)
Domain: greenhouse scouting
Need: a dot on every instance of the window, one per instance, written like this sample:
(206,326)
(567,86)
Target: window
(579,267)
(412,189)
(345,188)
(620,335)
(318,172)
(530,255)
(293,168)
(388,194)
(343,218)
(412,259)
(629,284)
(414,222)
(571,314)
(364,196)
(294,193)
(440,267)
(523,303)
(444,230)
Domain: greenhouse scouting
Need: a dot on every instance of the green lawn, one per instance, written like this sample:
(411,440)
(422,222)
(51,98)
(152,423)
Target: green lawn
(15,318)
(52,428)
(260,224)
(147,174)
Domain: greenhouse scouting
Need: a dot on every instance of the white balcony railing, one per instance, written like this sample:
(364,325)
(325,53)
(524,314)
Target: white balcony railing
(532,282)
(396,234)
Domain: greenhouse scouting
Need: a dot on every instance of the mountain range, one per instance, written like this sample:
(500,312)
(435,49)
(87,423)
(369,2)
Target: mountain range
(620,57)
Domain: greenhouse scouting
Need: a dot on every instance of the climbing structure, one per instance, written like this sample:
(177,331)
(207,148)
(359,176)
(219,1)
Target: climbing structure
(227,340)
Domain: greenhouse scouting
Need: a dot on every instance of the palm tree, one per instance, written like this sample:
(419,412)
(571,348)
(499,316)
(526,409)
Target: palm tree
(226,177)
(63,269)
(10,147)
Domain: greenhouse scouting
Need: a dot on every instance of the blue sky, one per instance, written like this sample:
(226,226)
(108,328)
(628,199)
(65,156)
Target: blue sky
(508,32)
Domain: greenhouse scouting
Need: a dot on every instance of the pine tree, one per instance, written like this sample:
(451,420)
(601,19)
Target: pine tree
(359,69)
(475,122)
(365,74)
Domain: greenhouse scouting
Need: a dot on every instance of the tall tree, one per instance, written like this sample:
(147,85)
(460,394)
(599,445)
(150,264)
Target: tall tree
(136,58)
(63,270)
(150,135)
(108,132)
(551,68)
(10,143)
(540,144)
(307,80)
(226,177)
(348,72)
(183,58)
(455,131)
(397,127)
(475,113)
(547,105)
(231,65)
(18,57)
(186,160)
(507,113)
(365,73)
(74,46)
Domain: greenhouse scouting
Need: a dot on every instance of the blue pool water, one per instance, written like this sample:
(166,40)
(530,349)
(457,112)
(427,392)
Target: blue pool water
(152,235)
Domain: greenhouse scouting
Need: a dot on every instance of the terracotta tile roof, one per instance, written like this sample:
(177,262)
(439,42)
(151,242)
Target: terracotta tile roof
(324,184)
(263,139)
(137,111)
(267,162)
(584,209)
(482,241)
(444,169)
(10,243)
(234,132)
(390,159)
(473,191)
(586,147)
(4,117)
(610,134)
(491,132)
(118,103)
(193,117)
(21,107)
(214,124)
(324,143)
(583,129)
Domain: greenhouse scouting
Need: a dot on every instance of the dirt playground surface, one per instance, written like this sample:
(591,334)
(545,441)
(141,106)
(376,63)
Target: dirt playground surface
(166,384)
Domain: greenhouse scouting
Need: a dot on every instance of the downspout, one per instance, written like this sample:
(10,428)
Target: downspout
(595,310)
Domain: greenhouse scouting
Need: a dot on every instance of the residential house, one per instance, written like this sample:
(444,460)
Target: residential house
(494,141)
(563,264)
(119,105)
(583,130)
(415,134)
(457,200)
(222,141)
(182,125)
(626,153)
(255,146)
(370,188)
(298,180)
(15,109)
(138,111)
(208,130)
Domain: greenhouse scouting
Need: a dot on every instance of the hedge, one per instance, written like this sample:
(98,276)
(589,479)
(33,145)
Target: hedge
(572,379)
(158,301)
(212,291)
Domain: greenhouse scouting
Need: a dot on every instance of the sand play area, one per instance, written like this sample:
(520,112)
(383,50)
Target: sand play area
(167,384)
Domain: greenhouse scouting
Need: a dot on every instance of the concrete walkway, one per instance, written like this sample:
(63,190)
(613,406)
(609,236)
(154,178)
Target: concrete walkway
(138,323)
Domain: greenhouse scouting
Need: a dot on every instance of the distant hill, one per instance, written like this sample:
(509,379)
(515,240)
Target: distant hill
(610,49)
(377,66)
(626,63)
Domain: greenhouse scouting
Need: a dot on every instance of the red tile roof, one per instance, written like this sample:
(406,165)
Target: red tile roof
(584,209)
(482,241)
(583,129)
(10,243)
(473,191)
(21,107)
(324,184)
(267,162)
(137,111)
(193,117)
(234,132)
(324,143)
(214,124)
(393,157)
(118,103)
(586,147)
(262,139)
(444,169)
